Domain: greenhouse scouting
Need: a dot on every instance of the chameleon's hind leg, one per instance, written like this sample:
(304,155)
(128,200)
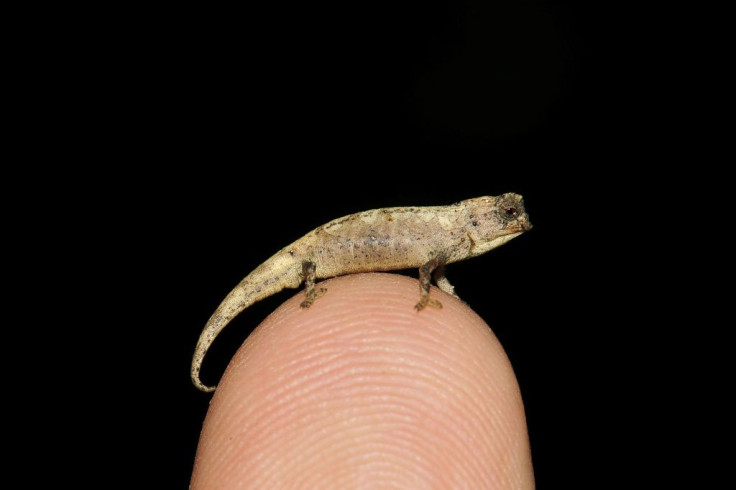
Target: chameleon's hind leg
(309,270)
(425,281)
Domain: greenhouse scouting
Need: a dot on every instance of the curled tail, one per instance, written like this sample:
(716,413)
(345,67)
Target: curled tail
(272,276)
(214,325)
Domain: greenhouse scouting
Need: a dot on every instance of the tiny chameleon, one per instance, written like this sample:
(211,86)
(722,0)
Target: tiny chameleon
(377,240)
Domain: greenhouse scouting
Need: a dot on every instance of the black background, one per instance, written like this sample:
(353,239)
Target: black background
(221,135)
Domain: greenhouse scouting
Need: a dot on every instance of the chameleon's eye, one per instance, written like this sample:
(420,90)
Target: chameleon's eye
(510,212)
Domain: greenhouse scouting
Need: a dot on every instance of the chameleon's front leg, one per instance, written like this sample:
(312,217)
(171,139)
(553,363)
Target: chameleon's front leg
(309,273)
(442,282)
(425,281)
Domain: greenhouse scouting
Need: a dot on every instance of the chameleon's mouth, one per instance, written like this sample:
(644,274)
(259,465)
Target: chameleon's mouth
(520,226)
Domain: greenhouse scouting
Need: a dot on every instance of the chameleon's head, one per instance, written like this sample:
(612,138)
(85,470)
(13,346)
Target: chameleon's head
(493,221)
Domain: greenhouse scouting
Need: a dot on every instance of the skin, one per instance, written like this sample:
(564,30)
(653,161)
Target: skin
(362,392)
(378,240)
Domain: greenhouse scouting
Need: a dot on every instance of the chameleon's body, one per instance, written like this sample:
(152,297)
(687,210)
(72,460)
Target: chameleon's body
(377,240)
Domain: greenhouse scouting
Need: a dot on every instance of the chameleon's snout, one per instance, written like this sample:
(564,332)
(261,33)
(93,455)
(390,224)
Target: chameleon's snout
(520,225)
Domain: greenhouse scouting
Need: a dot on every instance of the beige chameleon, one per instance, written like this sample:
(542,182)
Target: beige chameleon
(377,240)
